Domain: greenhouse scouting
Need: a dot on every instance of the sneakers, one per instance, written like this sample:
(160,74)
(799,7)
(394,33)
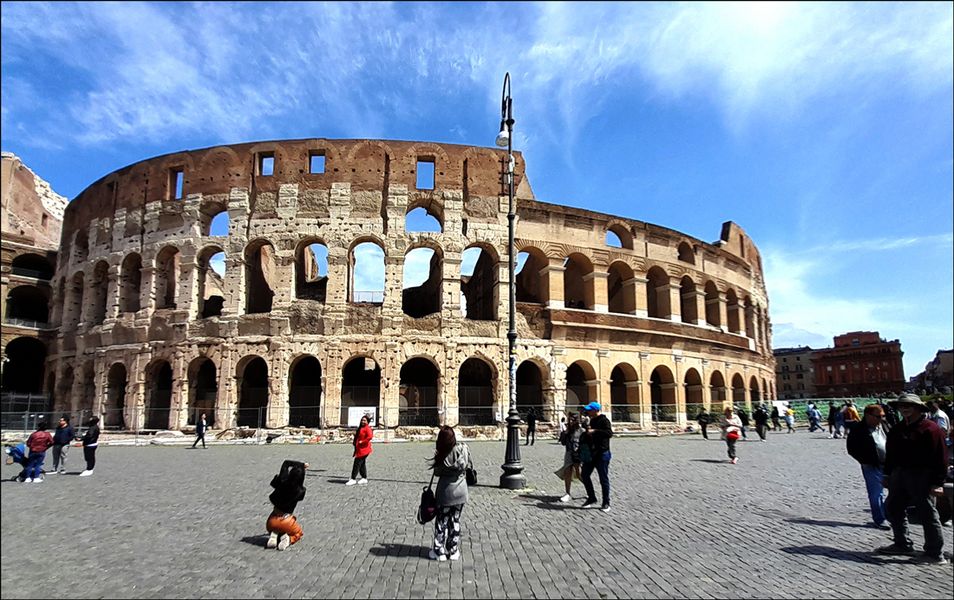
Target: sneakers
(284,541)
(566,499)
(362,481)
(735,460)
(62,472)
(896,550)
(926,559)
(28,480)
(882,526)
(438,557)
(605,508)
(589,504)
(52,473)
(38,480)
(272,540)
(351,482)
(455,556)
(86,473)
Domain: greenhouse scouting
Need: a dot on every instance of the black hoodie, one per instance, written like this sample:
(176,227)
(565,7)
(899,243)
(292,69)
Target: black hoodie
(289,486)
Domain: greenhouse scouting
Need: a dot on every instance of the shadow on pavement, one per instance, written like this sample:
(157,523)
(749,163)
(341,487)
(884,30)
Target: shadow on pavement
(804,521)
(344,480)
(838,554)
(715,461)
(400,550)
(256,540)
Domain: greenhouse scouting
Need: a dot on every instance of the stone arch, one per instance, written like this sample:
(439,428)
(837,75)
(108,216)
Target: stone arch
(73,311)
(261,273)
(167,276)
(224,160)
(738,390)
(624,393)
(713,305)
(311,269)
(420,390)
(158,394)
(64,392)
(581,384)
(422,209)
(755,394)
(130,283)
(32,265)
(718,392)
(476,391)
(26,362)
(304,392)
(692,381)
(253,385)
(480,288)
(360,385)
(210,284)
(424,298)
(622,232)
(531,378)
(80,250)
(116,383)
(366,270)
(621,288)
(684,253)
(28,303)
(687,296)
(662,394)
(531,282)
(657,293)
(578,287)
(98,285)
(203,390)
(214,217)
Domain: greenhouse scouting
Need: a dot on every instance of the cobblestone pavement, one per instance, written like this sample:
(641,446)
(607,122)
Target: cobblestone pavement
(786,522)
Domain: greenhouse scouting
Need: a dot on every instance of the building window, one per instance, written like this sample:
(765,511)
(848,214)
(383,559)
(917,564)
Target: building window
(425,174)
(176,177)
(316,163)
(266,163)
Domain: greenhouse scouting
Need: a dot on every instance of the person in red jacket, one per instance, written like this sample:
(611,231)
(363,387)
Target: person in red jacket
(362,449)
(38,443)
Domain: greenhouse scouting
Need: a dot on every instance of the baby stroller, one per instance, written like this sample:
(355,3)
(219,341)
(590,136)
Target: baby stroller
(17,454)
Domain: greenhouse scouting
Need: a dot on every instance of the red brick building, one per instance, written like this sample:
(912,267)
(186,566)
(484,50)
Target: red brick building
(862,363)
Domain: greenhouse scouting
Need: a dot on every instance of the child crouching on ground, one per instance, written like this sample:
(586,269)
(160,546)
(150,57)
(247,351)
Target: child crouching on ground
(289,487)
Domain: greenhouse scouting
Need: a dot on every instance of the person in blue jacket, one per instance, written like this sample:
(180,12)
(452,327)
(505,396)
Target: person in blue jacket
(61,445)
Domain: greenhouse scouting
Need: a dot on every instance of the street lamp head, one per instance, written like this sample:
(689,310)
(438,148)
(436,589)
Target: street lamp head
(503,138)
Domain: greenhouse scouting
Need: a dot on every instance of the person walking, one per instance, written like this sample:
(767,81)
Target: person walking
(597,436)
(282,526)
(531,426)
(563,427)
(761,418)
(571,456)
(814,418)
(790,418)
(776,426)
(62,437)
(832,419)
(362,450)
(450,463)
(743,418)
(851,415)
(200,427)
(703,419)
(866,443)
(915,469)
(731,432)
(840,423)
(90,443)
(38,443)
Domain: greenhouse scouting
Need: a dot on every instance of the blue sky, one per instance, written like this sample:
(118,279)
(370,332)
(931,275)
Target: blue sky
(824,130)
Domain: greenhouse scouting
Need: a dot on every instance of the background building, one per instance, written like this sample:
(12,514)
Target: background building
(862,363)
(937,374)
(794,373)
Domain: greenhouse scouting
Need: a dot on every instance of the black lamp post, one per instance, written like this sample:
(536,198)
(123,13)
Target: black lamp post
(512,477)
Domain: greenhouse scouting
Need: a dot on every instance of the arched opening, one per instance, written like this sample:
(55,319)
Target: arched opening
(73,311)
(304,393)
(215,222)
(754,393)
(618,236)
(167,277)
(26,360)
(130,282)
(367,273)
(360,389)
(478,284)
(115,397)
(717,392)
(28,305)
(578,282)
(687,297)
(210,283)
(421,284)
(733,309)
(422,220)
(158,395)
(624,394)
(64,392)
(657,294)
(203,389)
(612,240)
(621,289)
(253,392)
(98,284)
(528,269)
(529,387)
(693,384)
(662,394)
(32,265)
(749,312)
(88,391)
(311,271)
(686,254)
(261,274)
(738,390)
(419,393)
(475,392)
(580,384)
(80,247)
(713,310)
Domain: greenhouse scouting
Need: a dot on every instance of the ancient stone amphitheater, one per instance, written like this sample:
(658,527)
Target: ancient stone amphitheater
(283,283)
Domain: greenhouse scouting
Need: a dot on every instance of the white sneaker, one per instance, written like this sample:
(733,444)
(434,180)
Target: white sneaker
(28,480)
(85,473)
(284,542)
(272,540)
(38,480)
(455,556)
(351,482)
(362,481)
(52,473)
(565,498)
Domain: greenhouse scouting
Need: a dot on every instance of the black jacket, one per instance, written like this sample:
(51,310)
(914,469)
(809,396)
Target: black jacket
(91,437)
(861,444)
(599,436)
(63,435)
(289,487)
(743,416)
(761,417)
(915,446)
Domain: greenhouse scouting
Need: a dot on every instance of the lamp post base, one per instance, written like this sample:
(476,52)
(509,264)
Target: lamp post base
(512,477)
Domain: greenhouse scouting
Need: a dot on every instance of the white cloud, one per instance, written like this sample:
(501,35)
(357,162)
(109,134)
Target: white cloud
(368,268)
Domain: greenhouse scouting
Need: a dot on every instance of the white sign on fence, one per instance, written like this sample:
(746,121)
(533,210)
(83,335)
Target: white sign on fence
(356,412)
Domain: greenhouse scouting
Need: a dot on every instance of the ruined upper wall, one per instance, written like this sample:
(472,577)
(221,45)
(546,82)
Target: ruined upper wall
(30,209)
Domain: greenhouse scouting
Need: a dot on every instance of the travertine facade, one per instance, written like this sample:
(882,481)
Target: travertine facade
(647,328)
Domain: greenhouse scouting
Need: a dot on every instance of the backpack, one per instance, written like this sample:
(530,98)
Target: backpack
(428,508)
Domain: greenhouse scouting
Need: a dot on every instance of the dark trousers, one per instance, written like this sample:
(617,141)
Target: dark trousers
(744,427)
(531,435)
(601,464)
(762,430)
(909,487)
(198,437)
(776,426)
(360,467)
(704,426)
(730,444)
(89,453)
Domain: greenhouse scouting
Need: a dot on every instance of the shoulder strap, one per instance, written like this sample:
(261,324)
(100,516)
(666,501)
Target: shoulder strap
(431,484)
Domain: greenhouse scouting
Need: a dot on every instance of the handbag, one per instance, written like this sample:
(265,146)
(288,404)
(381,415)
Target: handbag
(732,435)
(428,507)
(471,475)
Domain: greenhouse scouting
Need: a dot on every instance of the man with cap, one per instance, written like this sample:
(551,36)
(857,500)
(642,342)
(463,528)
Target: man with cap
(915,468)
(597,435)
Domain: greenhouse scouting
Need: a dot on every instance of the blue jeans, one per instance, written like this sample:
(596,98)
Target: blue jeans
(601,464)
(873,476)
(35,464)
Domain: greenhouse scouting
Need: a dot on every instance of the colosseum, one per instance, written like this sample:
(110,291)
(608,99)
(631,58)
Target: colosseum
(290,283)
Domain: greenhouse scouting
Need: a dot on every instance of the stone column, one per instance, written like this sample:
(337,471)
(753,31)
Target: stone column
(700,301)
(147,285)
(112,294)
(225,393)
(278,407)
(723,311)
(179,403)
(642,302)
(675,301)
(645,394)
(553,280)
(600,290)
